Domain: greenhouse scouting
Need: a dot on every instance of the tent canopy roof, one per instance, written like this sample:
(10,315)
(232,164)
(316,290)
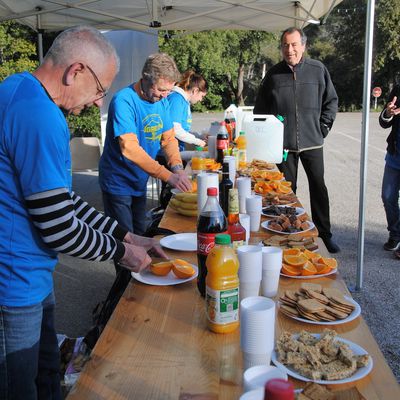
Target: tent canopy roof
(189,15)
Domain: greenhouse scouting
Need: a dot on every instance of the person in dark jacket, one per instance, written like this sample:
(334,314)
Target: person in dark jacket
(301,90)
(390,118)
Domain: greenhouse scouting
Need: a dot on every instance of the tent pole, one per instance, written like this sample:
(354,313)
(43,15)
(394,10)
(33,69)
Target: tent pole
(39,38)
(369,36)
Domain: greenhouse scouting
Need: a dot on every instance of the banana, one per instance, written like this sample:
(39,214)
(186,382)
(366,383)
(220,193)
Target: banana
(180,204)
(188,213)
(186,197)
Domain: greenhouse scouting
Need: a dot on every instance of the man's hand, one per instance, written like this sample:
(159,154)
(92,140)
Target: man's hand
(135,258)
(180,181)
(391,109)
(152,246)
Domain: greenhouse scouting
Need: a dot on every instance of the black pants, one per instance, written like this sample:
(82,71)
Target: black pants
(313,163)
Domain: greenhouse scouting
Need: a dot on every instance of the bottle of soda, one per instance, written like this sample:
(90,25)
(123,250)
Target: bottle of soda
(241,144)
(279,389)
(235,228)
(224,187)
(211,221)
(222,143)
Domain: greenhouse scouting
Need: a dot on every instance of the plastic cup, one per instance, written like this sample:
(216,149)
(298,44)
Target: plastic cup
(243,185)
(245,222)
(257,376)
(251,360)
(271,267)
(254,208)
(248,289)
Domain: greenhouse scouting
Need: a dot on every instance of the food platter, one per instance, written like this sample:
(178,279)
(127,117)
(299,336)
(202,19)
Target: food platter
(180,242)
(266,225)
(167,280)
(299,211)
(359,374)
(331,272)
(356,312)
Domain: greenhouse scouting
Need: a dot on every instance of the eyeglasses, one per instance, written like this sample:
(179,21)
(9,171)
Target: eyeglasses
(100,89)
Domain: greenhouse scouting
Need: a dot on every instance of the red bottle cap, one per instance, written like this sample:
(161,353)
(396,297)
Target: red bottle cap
(212,191)
(279,389)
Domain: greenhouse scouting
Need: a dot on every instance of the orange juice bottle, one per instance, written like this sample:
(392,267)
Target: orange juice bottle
(241,144)
(222,286)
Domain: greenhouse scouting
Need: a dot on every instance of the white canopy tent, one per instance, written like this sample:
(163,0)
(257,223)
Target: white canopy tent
(192,16)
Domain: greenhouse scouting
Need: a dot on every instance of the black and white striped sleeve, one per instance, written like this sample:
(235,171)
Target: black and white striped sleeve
(95,219)
(54,215)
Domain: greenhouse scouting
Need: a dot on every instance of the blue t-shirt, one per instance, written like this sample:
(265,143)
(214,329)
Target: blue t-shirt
(393,160)
(180,112)
(34,157)
(128,113)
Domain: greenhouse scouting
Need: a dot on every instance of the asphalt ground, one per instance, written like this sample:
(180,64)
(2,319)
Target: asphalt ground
(80,285)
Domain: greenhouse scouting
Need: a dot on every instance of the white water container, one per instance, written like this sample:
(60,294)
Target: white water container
(241,112)
(264,134)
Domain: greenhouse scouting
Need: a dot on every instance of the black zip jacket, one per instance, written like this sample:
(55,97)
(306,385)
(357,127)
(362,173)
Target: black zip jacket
(305,97)
(394,122)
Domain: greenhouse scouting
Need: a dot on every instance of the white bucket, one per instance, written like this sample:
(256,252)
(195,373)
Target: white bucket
(264,134)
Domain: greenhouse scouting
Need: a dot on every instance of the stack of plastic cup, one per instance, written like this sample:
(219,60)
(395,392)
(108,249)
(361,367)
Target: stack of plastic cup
(231,160)
(271,268)
(212,146)
(257,330)
(250,270)
(243,185)
(254,208)
(245,222)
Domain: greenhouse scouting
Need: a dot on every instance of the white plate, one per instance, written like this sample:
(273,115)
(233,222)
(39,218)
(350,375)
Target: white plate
(356,312)
(357,350)
(180,242)
(266,224)
(167,280)
(331,272)
(299,211)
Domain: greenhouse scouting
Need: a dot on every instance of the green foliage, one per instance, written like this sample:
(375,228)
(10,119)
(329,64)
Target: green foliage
(17,49)
(85,124)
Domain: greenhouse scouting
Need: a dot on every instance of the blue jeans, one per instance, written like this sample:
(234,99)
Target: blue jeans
(29,353)
(129,211)
(390,198)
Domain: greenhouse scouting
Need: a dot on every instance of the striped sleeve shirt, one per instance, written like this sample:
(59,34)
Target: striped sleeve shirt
(69,225)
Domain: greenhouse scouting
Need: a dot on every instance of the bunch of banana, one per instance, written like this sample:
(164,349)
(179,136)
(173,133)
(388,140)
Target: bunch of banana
(185,204)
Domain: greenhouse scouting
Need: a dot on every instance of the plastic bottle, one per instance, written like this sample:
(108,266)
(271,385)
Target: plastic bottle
(222,143)
(230,124)
(235,229)
(211,221)
(197,161)
(222,287)
(279,389)
(241,144)
(224,187)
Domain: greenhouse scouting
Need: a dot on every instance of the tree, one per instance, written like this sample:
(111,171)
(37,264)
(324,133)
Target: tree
(17,49)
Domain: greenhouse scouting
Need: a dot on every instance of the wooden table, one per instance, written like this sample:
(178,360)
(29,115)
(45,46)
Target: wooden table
(157,346)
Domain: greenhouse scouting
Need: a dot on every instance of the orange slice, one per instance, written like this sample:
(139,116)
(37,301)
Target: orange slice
(290,270)
(161,268)
(292,252)
(309,269)
(296,261)
(182,269)
(330,262)
(322,268)
(311,255)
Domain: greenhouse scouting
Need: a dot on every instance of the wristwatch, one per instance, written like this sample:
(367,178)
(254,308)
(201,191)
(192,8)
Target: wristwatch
(177,167)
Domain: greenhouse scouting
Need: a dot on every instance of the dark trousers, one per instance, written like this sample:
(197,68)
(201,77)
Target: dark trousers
(313,164)
(129,211)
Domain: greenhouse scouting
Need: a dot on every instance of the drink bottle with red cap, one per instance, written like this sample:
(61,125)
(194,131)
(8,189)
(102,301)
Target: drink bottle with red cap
(211,221)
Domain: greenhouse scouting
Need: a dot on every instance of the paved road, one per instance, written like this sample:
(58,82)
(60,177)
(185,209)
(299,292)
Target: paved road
(81,285)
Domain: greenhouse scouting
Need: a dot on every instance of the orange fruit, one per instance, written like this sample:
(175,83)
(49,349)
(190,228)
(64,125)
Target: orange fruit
(296,261)
(309,269)
(330,262)
(161,268)
(182,269)
(291,252)
(322,268)
(290,270)
(194,186)
(311,255)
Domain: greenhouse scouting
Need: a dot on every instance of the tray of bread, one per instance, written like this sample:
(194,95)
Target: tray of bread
(314,304)
(281,199)
(305,264)
(322,358)
(287,225)
(293,241)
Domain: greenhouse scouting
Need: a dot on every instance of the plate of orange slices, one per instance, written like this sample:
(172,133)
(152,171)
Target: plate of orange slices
(305,264)
(167,273)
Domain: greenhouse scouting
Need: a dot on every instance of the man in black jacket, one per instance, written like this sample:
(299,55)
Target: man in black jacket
(302,92)
(390,118)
